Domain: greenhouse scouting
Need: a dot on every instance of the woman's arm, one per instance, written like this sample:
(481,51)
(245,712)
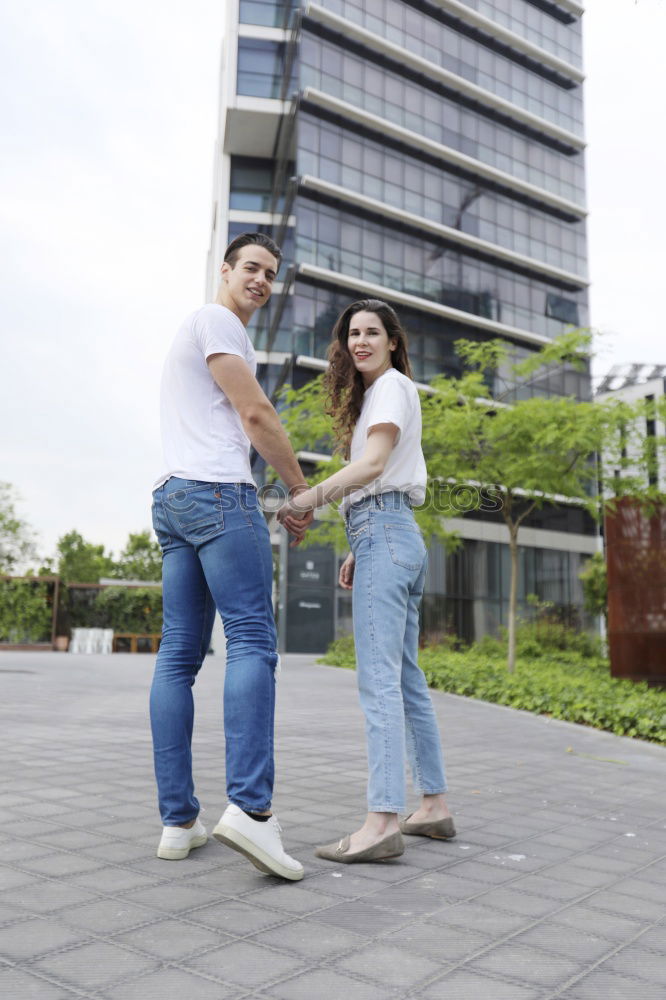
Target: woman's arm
(381,438)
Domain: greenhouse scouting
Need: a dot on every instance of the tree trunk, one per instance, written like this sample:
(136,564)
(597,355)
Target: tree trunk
(513,592)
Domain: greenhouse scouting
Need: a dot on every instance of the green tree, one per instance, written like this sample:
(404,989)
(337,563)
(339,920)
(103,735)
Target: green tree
(17,539)
(80,561)
(141,559)
(594,578)
(527,452)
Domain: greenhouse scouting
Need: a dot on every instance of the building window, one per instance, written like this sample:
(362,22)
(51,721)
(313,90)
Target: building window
(260,68)
(251,184)
(563,309)
(271,13)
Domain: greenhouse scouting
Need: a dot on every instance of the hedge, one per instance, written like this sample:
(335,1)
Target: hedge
(562,684)
(25,611)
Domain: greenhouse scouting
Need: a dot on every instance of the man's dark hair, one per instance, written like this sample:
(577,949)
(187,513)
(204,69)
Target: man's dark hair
(250,239)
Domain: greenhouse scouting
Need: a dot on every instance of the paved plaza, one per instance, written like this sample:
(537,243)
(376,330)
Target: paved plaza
(555,886)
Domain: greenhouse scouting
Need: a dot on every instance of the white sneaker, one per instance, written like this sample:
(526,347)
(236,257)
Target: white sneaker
(177,842)
(259,842)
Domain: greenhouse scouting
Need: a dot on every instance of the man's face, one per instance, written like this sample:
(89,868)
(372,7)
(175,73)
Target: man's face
(250,281)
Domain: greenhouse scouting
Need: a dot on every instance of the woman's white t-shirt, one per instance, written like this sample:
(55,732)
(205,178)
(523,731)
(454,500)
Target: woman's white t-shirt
(202,434)
(392,399)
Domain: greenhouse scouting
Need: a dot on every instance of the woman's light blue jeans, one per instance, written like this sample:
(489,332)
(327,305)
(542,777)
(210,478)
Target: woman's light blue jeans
(216,553)
(389,575)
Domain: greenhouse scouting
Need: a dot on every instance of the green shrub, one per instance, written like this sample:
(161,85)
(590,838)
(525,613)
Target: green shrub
(341,653)
(536,639)
(561,683)
(25,611)
(124,609)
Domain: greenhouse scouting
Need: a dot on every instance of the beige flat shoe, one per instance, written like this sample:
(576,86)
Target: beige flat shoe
(440,829)
(390,847)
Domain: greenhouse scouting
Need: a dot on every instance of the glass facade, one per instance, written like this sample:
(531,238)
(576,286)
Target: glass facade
(365,83)
(345,156)
(313,309)
(376,252)
(467,592)
(424,35)
(556,31)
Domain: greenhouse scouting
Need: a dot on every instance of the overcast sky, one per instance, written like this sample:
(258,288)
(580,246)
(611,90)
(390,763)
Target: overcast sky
(109,115)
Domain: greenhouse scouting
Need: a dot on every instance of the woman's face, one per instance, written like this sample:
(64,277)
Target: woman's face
(369,345)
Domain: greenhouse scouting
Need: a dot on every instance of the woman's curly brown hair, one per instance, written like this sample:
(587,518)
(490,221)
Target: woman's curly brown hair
(343,382)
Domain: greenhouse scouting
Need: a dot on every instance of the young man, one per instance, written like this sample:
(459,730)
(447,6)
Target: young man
(217,554)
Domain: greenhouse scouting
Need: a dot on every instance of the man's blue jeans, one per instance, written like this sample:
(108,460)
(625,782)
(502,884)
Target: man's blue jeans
(216,554)
(400,721)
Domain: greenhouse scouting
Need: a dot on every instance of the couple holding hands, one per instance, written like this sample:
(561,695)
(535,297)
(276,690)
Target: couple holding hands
(217,557)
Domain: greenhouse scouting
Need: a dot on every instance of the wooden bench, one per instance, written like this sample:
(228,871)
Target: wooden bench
(139,642)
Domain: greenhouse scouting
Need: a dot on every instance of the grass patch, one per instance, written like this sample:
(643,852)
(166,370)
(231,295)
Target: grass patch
(560,674)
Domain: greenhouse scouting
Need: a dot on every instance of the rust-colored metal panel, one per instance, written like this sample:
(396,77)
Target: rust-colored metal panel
(636,562)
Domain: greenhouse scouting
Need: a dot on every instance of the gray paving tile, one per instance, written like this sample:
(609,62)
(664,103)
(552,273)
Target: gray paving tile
(20,984)
(170,897)
(13,852)
(14,878)
(106,916)
(441,943)
(112,880)
(469,985)
(654,939)
(350,881)
(46,896)
(61,863)
(116,852)
(73,840)
(409,898)
(630,906)
(172,982)
(603,985)
(236,917)
(584,878)
(494,870)
(579,944)
(306,937)
(514,901)
(612,926)
(640,888)
(292,898)
(326,983)
(37,936)
(361,917)
(641,964)
(389,966)
(246,964)
(93,966)
(171,939)
(527,965)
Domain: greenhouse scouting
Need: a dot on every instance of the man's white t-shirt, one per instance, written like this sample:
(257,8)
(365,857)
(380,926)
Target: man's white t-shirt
(202,434)
(392,399)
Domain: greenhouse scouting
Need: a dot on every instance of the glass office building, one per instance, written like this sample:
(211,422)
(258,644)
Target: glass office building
(430,153)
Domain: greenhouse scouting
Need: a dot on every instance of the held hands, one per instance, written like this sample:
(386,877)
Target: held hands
(346,575)
(296,517)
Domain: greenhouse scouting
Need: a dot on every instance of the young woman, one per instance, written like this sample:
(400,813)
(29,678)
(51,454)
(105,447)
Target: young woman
(377,418)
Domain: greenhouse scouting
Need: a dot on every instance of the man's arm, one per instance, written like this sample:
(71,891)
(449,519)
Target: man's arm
(260,421)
